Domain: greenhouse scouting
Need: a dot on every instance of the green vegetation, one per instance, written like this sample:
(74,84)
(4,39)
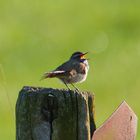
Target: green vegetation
(36,36)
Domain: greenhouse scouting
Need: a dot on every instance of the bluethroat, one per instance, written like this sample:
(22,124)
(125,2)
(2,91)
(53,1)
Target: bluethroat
(72,71)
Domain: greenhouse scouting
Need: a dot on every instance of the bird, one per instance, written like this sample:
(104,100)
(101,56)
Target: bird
(74,70)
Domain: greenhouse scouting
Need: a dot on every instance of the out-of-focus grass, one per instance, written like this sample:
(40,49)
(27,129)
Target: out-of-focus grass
(37,36)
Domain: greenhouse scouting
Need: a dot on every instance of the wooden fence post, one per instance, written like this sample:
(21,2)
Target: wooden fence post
(52,114)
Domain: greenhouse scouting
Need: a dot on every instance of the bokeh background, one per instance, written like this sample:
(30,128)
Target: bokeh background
(36,36)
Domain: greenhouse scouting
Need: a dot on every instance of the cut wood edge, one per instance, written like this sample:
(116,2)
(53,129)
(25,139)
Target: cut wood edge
(122,124)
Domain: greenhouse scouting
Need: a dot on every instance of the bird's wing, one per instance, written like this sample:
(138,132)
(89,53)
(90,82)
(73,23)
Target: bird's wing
(52,74)
(67,66)
(58,72)
(73,66)
(66,69)
(63,67)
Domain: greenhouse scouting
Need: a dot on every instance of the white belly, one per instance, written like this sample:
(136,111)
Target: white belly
(80,77)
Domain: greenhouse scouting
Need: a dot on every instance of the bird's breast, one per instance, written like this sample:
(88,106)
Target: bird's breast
(77,74)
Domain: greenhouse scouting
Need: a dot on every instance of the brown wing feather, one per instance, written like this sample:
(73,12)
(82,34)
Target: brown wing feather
(73,65)
(52,74)
(66,69)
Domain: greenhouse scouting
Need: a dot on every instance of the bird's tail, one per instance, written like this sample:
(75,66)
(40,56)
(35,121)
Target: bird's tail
(52,74)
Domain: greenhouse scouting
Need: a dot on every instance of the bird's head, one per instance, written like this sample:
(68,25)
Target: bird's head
(78,56)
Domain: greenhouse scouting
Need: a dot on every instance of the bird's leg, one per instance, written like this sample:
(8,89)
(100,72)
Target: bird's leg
(75,87)
(66,85)
(68,89)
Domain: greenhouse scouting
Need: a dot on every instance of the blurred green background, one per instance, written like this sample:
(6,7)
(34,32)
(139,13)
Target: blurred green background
(37,36)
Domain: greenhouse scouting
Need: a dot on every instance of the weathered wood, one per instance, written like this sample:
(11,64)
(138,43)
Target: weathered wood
(52,114)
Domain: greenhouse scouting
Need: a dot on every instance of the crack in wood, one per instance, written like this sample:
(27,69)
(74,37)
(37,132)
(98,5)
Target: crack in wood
(77,116)
(50,109)
(29,116)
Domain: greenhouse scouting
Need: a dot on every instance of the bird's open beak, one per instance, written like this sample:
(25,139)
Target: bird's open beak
(83,55)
